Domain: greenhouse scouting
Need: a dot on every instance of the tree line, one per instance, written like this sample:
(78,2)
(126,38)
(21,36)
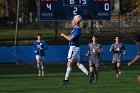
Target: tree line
(27,8)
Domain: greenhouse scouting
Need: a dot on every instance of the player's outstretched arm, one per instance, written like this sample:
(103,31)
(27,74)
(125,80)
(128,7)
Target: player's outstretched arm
(129,63)
(67,37)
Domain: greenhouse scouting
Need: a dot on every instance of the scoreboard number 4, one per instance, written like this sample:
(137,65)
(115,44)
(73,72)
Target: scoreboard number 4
(49,6)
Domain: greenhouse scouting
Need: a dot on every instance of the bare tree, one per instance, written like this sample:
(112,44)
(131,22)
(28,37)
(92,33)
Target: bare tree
(7,8)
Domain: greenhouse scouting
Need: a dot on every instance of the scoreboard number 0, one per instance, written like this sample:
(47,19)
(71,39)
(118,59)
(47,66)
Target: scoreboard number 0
(106,6)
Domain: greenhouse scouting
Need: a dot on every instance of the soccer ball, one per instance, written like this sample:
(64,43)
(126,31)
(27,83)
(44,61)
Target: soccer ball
(138,79)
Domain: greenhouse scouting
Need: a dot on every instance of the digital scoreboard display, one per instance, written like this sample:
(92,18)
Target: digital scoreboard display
(66,9)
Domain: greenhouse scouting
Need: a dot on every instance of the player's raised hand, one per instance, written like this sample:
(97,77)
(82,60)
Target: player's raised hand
(129,63)
(62,34)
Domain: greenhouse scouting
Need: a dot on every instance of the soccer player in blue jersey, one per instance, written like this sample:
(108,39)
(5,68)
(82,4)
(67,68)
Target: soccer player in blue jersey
(138,52)
(39,48)
(74,48)
(118,48)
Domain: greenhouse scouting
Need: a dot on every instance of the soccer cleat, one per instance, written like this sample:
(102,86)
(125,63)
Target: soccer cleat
(64,82)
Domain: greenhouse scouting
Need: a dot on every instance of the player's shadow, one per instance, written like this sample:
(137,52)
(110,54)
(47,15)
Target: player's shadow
(124,82)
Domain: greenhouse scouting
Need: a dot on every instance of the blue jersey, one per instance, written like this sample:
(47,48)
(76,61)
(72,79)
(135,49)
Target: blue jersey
(39,47)
(76,32)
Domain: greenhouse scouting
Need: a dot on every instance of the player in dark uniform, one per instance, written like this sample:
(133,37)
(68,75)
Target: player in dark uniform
(138,52)
(39,47)
(117,48)
(94,50)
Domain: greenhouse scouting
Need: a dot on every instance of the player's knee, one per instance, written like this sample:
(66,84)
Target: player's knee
(113,62)
(69,64)
(78,63)
(90,65)
(42,63)
(38,62)
(118,63)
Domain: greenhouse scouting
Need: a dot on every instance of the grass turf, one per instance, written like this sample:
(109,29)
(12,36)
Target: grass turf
(23,79)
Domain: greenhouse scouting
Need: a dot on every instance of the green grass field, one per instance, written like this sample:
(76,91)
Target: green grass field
(23,79)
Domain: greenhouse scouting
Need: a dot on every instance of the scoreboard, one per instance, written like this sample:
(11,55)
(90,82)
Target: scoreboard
(66,9)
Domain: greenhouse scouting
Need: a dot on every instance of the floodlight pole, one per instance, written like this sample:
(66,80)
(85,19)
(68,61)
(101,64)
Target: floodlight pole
(17,21)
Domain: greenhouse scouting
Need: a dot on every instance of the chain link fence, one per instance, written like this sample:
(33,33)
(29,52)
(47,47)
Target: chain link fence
(126,27)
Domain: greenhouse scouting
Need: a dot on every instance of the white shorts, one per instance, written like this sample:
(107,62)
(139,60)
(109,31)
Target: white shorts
(40,58)
(74,54)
